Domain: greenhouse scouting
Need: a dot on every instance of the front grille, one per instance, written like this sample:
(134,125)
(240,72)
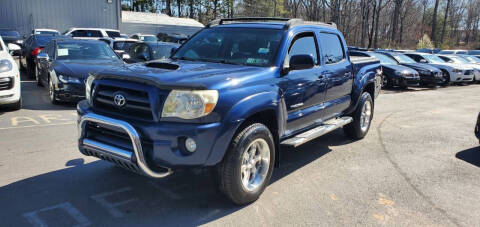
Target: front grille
(137,103)
(468,72)
(6,83)
(113,136)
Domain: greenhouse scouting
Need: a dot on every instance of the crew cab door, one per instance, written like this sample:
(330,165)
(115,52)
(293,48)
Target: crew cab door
(304,89)
(338,73)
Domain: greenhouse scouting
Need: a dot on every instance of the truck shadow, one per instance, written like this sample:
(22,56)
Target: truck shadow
(471,155)
(187,198)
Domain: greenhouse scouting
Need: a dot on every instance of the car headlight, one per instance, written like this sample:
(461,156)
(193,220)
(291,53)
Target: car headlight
(68,79)
(189,104)
(456,70)
(5,65)
(88,88)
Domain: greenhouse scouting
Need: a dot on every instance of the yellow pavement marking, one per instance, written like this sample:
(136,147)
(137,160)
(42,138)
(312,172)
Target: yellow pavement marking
(386,202)
(32,126)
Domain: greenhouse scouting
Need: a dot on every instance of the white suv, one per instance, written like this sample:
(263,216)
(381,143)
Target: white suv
(9,78)
(92,33)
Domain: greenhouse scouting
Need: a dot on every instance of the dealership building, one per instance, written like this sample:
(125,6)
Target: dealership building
(26,15)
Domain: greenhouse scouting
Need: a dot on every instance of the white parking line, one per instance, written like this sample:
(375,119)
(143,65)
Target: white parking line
(111,207)
(35,220)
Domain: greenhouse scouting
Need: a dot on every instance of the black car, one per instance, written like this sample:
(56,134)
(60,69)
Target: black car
(477,128)
(11,36)
(393,73)
(33,45)
(429,75)
(146,51)
(64,65)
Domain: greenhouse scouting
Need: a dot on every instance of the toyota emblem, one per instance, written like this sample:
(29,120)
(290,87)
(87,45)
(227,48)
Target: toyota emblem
(119,100)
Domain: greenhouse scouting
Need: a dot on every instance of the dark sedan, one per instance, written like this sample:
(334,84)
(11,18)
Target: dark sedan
(477,128)
(393,73)
(33,45)
(11,36)
(147,51)
(429,75)
(64,65)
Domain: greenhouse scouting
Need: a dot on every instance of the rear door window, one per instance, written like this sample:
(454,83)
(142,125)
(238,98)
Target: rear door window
(87,33)
(332,48)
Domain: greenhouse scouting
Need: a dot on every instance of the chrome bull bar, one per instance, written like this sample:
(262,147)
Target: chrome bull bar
(117,153)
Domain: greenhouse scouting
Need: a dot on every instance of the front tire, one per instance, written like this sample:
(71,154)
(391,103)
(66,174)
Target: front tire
(52,94)
(248,164)
(362,118)
(446,78)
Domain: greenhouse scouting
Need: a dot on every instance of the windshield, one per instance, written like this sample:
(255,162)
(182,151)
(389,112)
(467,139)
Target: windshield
(43,40)
(149,38)
(459,59)
(474,52)
(47,32)
(472,59)
(123,45)
(9,33)
(161,51)
(85,50)
(242,46)
(384,59)
(404,59)
(433,59)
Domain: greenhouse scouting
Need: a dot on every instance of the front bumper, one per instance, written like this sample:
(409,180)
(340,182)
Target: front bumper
(9,87)
(461,77)
(149,148)
(408,81)
(432,78)
(70,92)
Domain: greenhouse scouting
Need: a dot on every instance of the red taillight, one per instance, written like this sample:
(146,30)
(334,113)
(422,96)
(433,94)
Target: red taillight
(36,51)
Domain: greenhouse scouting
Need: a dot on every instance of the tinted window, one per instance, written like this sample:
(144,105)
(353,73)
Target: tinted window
(86,33)
(161,51)
(113,34)
(384,59)
(405,59)
(243,46)
(84,50)
(43,40)
(305,45)
(461,52)
(446,52)
(47,32)
(138,51)
(9,33)
(123,45)
(417,58)
(332,48)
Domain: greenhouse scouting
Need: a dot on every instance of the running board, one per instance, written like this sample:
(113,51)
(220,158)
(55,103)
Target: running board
(314,133)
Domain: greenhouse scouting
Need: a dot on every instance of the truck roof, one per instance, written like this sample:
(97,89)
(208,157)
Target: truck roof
(281,23)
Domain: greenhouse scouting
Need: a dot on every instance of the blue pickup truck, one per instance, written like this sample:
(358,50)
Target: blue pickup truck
(229,98)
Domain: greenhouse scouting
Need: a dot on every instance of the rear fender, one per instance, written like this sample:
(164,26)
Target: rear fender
(237,115)
(365,76)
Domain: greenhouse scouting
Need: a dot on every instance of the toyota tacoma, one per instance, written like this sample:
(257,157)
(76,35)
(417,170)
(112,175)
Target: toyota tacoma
(230,98)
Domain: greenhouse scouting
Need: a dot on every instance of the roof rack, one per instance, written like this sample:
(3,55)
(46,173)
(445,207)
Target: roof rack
(289,23)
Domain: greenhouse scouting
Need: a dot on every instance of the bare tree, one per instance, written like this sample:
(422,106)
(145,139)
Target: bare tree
(434,24)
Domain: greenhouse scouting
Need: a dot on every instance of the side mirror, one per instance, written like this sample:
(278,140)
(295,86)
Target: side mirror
(43,57)
(14,49)
(423,61)
(301,61)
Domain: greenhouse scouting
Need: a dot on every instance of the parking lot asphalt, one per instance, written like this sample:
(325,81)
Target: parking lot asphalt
(419,165)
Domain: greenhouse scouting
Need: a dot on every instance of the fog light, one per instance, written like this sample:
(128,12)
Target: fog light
(190,145)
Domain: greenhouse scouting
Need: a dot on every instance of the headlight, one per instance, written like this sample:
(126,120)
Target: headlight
(456,70)
(5,65)
(88,88)
(190,104)
(68,79)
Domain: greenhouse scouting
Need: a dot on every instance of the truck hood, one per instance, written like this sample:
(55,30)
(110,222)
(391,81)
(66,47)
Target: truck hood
(81,68)
(185,74)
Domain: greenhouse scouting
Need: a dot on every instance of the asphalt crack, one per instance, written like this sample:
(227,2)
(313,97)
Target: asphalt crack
(405,176)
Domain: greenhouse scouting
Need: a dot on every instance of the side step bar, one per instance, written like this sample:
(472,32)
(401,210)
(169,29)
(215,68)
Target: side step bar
(314,133)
